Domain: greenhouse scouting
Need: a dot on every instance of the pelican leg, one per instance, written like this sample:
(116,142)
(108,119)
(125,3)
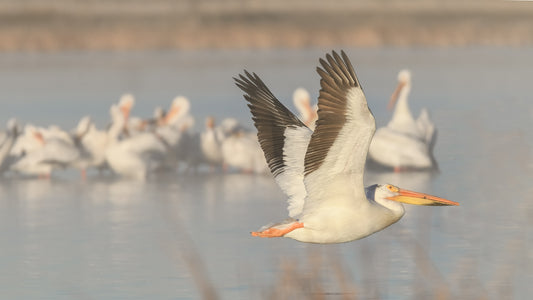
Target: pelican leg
(278,232)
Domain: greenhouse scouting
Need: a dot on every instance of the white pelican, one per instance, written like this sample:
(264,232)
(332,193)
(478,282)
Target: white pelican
(92,144)
(84,159)
(26,142)
(136,156)
(211,143)
(54,150)
(404,144)
(133,125)
(8,140)
(322,171)
(241,150)
(302,102)
(178,114)
(229,126)
(213,138)
(173,129)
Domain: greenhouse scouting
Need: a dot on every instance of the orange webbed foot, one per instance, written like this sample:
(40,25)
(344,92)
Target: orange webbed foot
(278,232)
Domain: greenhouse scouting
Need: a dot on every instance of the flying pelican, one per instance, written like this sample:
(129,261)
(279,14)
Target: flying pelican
(405,143)
(322,171)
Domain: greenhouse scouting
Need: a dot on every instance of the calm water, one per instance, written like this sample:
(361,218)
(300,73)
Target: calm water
(177,236)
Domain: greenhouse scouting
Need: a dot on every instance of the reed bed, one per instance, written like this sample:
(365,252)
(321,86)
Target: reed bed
(132,25)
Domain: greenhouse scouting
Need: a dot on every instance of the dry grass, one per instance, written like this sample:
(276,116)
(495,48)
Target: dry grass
(133,25)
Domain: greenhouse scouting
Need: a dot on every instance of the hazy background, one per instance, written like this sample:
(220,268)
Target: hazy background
(55,25)
(185,235)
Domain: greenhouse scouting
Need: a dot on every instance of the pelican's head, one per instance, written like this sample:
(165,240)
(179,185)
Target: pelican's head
(380,192)
(301,97)
(210,122)
(302,101)
(404,76)
(404,79)
(39,137)
(83,127)
(179,107)
(13,127)
(126,104)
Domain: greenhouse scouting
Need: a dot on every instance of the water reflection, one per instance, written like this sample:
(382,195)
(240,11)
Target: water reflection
(106,238)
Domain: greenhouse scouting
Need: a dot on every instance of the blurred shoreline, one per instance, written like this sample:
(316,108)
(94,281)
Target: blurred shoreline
(115,25)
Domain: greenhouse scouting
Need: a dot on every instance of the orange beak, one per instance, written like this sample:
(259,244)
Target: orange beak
(395,94)
(417,198)
(39,137)
(171,114)
(125,111)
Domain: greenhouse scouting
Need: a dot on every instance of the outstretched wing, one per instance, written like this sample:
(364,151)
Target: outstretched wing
(283,138)
(344,129)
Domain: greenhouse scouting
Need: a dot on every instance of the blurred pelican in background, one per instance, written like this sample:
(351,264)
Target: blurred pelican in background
(136,156)
(133,125)
(44,149)
(211,143)
(92,145)
(178,114)
(175,130)
(131,147)
(241,150)
(405,143)
(7,140)
(302,102)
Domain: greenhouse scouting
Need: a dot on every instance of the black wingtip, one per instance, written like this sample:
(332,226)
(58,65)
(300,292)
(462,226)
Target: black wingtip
(338,68)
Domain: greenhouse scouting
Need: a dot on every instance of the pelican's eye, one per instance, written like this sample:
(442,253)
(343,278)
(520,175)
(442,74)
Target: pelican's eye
(391,188)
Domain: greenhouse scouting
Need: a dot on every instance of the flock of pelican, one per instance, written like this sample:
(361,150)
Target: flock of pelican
(135,147)
(321,170)
(130,146)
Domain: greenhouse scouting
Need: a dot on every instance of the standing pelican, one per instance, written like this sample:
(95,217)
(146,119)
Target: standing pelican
(322,171)
(302,102)
(10,136)
(92,144)
(211,143)
(136,156)
(54,150)
(405,143)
